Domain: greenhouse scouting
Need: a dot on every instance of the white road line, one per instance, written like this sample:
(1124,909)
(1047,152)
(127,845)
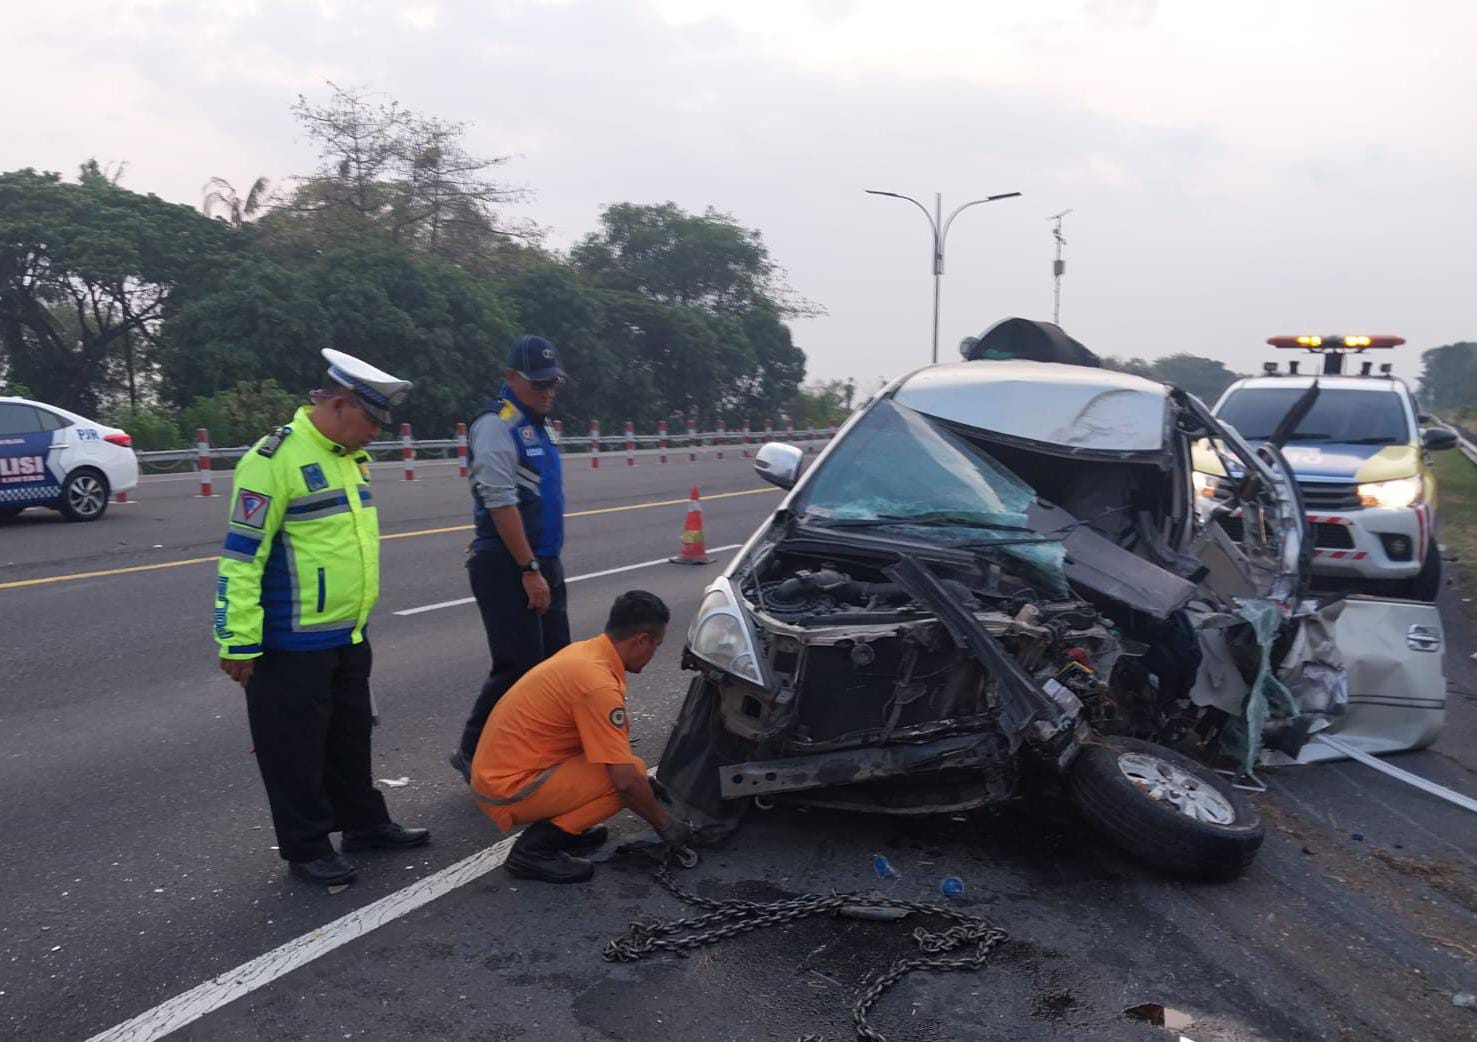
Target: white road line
(571,579)
(186,1008)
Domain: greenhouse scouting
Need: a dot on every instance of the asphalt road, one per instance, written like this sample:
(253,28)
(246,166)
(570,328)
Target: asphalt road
(137,856)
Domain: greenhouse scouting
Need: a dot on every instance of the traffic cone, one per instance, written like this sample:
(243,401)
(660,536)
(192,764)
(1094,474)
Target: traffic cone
(693,551)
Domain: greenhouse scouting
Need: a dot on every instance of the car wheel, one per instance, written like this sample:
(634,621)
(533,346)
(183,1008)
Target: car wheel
(1165,809)
(84,495)
(1426,585)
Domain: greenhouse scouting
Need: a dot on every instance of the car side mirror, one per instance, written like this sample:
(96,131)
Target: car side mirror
(1437,438)
(778,463)
(1424,418)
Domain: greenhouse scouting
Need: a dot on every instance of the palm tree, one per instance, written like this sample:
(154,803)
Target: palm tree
(220,194)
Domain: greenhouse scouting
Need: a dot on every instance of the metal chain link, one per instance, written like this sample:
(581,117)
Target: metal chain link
(729,918)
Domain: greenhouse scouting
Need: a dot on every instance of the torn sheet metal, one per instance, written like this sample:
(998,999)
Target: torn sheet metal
(850,766)
(1266,696)
(1090,410)
(1391,653)
(1100,565)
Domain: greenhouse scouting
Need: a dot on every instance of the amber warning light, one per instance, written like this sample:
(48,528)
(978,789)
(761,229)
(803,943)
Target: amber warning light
(1337,342)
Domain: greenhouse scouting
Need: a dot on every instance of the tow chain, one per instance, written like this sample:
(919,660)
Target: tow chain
(729,918)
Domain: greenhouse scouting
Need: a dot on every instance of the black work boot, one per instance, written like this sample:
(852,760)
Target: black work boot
(329,870)
(587,842)
(539,853)
(388,836)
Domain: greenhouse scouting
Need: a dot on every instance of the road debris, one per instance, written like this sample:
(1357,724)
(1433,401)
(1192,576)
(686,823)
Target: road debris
(1465,999)
(884,869)
(952,886)
(395,783)
(948,949)
(1160,1016)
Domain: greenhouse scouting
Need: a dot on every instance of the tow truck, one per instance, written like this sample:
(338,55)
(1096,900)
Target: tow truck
(1361,456)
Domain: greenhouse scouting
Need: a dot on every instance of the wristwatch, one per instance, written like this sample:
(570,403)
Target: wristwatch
(532,566)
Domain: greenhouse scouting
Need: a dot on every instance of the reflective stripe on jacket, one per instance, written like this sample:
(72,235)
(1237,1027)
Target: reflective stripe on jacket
(300,567)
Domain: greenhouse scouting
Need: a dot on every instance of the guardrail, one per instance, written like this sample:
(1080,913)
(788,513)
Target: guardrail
(627,446)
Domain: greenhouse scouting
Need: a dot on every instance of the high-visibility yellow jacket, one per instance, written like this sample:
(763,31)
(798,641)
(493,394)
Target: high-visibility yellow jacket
(300,568)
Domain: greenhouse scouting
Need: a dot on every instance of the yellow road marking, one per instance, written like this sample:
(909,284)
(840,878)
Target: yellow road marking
(16,584)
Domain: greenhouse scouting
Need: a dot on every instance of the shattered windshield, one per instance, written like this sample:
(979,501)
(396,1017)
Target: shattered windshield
(899,471)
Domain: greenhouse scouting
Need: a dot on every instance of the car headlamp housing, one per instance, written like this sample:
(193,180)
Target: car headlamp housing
(720,635)
(1392,495)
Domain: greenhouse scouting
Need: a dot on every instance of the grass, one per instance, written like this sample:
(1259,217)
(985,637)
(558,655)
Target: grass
(1456,478)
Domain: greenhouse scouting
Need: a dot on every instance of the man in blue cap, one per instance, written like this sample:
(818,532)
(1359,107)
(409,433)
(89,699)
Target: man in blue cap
(518,512)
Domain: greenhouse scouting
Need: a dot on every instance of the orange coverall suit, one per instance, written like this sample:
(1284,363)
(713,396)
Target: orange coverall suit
(546,744)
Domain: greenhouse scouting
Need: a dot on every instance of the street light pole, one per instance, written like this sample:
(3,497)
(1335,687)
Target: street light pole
(940,229)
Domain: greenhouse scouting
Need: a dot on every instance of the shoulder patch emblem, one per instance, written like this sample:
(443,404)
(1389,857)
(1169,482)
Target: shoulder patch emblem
(618,718)
(313,475)
(251,509)
(272,442)
(529,435)
(509,411)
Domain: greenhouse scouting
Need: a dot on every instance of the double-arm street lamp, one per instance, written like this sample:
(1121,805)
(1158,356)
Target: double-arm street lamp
(940,233)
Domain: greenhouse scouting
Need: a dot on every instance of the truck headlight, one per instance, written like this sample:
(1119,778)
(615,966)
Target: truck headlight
(1391,495)
(1204,485)
(720,635)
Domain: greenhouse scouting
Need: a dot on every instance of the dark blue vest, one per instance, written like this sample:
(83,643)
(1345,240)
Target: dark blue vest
(538,467)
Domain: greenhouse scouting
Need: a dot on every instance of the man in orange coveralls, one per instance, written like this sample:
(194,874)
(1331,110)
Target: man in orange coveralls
(555,753)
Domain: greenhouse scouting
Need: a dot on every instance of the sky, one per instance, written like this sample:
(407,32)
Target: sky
(1234,170)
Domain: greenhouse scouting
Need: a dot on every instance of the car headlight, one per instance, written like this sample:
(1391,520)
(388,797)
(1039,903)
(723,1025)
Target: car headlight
(720,636)
(1392,495)
(1204,484)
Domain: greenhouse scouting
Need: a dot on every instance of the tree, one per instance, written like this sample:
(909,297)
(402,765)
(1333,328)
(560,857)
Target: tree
(88,272)
(671,256)
(221,195)
(243,413)
(387,171)
(1205,378)
(1449,376)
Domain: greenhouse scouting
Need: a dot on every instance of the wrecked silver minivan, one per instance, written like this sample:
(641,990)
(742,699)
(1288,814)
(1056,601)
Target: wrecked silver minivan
(991,579)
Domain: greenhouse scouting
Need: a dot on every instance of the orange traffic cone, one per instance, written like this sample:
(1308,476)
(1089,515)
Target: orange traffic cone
(693,551)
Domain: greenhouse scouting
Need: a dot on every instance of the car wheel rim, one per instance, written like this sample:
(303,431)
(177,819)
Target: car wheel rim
(86,496)
(1176,787)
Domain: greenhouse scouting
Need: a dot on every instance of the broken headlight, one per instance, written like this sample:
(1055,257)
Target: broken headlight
(720,635)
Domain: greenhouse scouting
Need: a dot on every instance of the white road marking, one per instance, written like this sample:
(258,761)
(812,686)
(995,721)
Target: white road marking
(186,1008)
(571,579)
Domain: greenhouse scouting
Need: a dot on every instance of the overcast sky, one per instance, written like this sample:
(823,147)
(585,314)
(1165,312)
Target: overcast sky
(1235,170)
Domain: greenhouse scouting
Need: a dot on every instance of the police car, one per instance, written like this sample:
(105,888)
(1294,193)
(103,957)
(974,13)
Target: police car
(1361,459)
(50,457)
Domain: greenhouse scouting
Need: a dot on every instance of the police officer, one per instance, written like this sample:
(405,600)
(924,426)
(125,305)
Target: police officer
(298,577)
(518,511)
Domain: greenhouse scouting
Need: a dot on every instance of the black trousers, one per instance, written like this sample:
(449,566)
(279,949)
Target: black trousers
(517,638)
(311,718)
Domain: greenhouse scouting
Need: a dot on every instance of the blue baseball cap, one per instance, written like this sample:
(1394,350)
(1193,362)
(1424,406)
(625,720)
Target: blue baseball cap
(534,358)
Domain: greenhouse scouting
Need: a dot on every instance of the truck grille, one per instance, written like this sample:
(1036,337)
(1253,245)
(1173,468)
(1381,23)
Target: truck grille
(1325,536)
(1323,495)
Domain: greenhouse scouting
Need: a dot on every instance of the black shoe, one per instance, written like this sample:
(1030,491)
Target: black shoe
(329,870)
(388,836)
(587,842)
(539,853)
(462,765)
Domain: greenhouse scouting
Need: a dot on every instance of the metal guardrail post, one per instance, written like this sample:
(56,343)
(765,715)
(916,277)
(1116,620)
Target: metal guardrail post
(461,450)
(407,451)
(661,438)
(595,444)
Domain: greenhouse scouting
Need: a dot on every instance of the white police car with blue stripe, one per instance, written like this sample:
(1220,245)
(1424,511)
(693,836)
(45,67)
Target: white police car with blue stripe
(50,457)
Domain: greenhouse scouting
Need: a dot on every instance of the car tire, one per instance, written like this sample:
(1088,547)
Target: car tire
(1426,585)
(1194,824)
(84,495)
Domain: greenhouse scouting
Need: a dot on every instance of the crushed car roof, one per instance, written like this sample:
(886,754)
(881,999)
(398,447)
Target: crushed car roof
(1066,405)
